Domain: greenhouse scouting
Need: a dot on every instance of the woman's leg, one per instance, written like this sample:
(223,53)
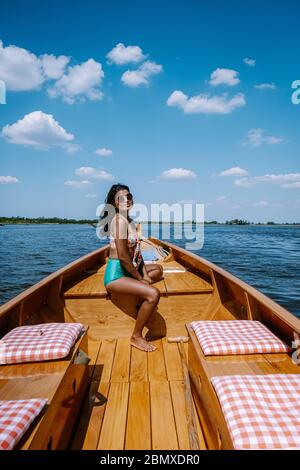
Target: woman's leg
(155,271)
(149,296)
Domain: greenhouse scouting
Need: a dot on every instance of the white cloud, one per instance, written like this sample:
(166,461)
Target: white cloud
(8,179)
(141,76)
(266,86)
(81,82)
(73,148)
(224,77)
(279,178)
(250,62)
(178,173)
(295,185)
(206,104)
(90,172)
(103,152)
(259,204)
(90,196)
(77,184)
(38,130)
(273,140)
(54,67)
(234,171)
(19,68)
(288,180)
(221,199)
(122,54)
(244,182)
(256,138)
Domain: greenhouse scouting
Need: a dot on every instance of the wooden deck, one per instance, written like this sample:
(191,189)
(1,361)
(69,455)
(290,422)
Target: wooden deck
(136,399)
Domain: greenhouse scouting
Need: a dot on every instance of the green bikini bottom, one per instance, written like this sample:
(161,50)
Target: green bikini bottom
(114,270)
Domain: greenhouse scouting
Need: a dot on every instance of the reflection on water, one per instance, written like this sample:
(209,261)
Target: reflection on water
(266,257)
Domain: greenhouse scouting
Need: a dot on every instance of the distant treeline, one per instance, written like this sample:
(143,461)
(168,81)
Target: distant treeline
(58,220)
(44,220)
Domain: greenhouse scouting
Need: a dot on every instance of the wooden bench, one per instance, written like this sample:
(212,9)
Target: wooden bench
(177,280)
(91,286)
(180,280)
(63,382)
(202,368)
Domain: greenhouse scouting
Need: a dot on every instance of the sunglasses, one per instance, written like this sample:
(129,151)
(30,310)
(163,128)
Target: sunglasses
(125,197)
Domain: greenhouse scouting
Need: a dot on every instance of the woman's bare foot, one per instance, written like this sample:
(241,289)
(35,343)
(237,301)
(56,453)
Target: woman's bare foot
(140,343)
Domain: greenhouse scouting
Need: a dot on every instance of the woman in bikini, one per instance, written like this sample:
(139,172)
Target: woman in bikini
(126,272)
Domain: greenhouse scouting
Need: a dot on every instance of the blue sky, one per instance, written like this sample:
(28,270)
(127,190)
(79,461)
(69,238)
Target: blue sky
(188,101)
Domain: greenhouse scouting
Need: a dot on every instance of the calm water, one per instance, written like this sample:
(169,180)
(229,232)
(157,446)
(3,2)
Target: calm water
(264,256)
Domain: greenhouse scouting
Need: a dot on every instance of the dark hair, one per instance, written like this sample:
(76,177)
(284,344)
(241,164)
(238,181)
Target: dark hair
(110,199)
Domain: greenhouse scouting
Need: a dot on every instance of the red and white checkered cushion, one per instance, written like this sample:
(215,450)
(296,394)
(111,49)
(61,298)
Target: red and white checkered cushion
(15,418)
(261,411)
(39,342)
(236,337)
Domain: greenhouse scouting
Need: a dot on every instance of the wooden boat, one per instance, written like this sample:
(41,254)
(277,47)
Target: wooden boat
(125,398)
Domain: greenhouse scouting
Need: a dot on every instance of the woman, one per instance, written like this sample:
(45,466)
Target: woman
(126,272)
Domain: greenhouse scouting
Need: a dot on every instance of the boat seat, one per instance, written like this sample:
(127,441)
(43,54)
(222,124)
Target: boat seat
(89,285)
(61,382)
(236,337)
(16,416)
(180,280)
(177,280)
(43,342)
(203,368)
(261,411)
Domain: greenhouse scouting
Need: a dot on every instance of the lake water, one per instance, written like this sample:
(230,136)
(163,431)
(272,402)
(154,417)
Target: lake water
(266,257)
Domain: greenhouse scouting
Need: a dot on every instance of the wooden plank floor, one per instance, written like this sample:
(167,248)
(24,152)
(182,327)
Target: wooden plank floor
(107,320)
(136,400)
